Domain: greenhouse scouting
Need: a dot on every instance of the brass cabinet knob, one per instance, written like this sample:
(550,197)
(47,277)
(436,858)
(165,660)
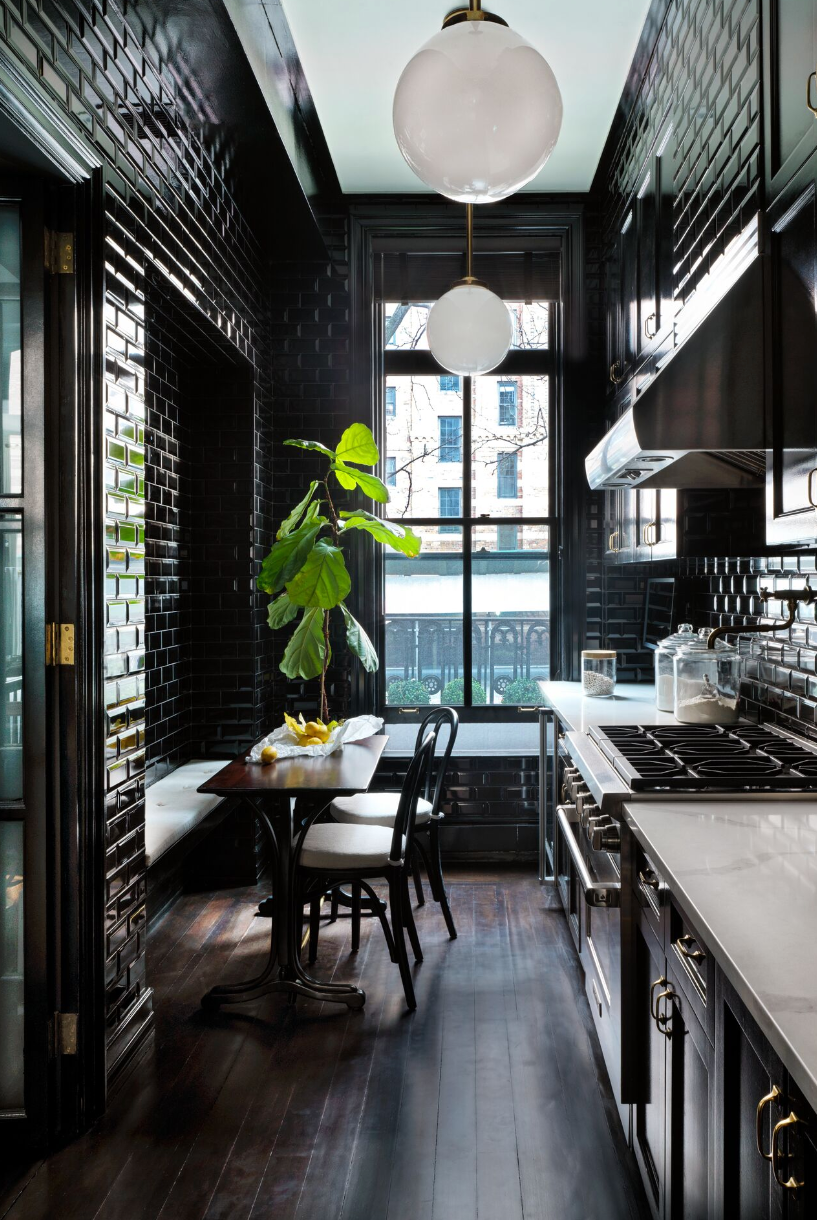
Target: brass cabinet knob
(616,377)
(777,1155)
(658,983)
(761,1106)
(662,1021)
(693,955)
(649,879)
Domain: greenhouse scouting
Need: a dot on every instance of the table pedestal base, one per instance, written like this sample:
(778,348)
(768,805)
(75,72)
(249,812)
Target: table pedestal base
(308,989)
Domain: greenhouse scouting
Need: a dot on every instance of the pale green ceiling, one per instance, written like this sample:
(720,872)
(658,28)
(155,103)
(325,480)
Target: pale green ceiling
(353,52)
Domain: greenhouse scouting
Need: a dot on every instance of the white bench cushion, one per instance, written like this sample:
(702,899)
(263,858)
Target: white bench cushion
(335,848)
(173,806)
(374,809)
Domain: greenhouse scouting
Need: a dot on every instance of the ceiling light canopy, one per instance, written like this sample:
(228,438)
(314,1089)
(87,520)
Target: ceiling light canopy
(469,328)
(477,111)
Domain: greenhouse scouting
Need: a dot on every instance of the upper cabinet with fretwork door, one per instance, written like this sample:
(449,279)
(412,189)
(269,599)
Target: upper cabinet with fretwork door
(791,361)
(790,88)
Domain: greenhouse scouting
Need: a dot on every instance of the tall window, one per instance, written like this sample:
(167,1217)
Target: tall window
(507,402)
(506,468)
(391,471)
(391,400)
(450,438)
(450,505)
(467,622)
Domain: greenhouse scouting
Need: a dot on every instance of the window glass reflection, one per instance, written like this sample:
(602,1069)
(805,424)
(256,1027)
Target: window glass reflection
(11,657)
(11,427)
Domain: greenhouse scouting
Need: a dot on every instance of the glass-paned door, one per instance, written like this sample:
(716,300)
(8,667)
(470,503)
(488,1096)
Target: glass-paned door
(23,754)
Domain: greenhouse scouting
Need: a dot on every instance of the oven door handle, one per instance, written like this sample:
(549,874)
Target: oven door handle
(596,894)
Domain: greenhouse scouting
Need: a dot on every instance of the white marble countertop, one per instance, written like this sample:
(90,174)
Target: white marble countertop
(633,703)
(745,872)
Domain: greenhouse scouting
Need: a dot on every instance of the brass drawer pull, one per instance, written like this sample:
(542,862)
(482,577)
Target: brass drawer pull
(812,77)
(650,539)
(810,488)
(662,1021)
(611,541)
(616,378)
(777,1155)
(658,983)
(693,955)
(761,1106)
(650,881)
(649,333)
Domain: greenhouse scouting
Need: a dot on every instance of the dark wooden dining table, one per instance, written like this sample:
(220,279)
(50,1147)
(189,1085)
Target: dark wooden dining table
(267,792)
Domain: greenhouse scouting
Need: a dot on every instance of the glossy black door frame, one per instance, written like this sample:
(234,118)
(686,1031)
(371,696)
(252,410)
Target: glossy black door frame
(536,216)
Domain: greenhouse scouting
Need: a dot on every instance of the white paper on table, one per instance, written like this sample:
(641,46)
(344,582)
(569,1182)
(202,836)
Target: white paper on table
(286,743)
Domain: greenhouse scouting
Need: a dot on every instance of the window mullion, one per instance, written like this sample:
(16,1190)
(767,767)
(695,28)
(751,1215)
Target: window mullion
(467,607)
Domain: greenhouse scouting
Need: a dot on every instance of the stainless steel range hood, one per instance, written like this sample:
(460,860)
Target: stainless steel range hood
(700,421)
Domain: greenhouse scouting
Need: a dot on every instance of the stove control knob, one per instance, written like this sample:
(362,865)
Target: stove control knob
(589,809)
(569,777)
(606,838)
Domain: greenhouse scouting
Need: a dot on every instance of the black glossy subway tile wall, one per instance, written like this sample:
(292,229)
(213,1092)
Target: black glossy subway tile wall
(174,233)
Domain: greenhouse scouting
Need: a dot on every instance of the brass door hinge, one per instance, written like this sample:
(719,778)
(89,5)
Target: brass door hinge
(65,1033)
(59,643)
(59,253)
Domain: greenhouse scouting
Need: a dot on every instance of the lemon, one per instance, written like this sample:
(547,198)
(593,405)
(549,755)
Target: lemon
(312,741)
(268,755)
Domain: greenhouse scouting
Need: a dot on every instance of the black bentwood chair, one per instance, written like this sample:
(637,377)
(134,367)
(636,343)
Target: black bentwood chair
(330,854)
(380,809)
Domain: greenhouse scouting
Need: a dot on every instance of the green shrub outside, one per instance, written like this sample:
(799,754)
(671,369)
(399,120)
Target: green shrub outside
(454,692)
(522,690)
(407,692)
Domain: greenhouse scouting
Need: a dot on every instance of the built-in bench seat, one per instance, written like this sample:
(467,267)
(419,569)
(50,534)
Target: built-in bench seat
(173,807)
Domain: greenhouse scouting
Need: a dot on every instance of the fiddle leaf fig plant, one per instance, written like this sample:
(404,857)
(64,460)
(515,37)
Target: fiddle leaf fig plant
(305,572)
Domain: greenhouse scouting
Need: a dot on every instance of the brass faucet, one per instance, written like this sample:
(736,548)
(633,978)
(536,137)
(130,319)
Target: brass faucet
(807,596)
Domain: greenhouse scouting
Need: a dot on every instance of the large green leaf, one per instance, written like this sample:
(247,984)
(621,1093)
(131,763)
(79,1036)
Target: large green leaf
(316,445)
(305,651)
(280,612)
(399,537)
(288,525)
(359,643)
(357,445)
(288,556)
(348,477)
(323,580)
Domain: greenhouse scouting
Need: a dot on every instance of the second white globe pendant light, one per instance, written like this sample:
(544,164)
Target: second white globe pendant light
(477,111)
(469,328)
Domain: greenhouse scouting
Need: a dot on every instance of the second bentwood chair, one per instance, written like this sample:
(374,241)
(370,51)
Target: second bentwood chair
(329,855)
(380,809)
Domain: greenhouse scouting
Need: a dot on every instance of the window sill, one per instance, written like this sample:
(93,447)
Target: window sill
(510,739)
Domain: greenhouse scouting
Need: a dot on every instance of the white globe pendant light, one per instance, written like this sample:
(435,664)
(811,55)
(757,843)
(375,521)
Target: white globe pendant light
(477,111)
(469,328)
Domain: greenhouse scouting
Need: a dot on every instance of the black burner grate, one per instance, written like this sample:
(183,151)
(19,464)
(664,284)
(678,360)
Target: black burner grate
(700,757)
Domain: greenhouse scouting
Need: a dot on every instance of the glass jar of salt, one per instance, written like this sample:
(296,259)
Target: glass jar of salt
(598,673)
(707,684)
(664,675)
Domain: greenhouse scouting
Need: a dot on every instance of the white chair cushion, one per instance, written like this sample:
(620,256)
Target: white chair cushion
(173,806)
(374,809)
(335,848)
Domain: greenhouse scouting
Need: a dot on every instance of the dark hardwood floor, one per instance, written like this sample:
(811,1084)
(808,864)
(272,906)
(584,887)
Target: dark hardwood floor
(488,1103)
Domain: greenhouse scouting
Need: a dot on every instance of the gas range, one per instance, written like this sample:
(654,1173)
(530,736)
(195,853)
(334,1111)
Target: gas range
(707,758)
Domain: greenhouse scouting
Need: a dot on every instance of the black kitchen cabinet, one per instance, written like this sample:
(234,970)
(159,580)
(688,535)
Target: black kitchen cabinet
(790,60)
(621,508)
(655,523)
(650,1014)
(690,1108)
(791,381)
(749,1077)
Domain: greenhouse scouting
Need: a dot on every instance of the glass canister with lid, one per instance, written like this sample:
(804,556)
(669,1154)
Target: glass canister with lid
(598,673)
(664,676)
(707,684)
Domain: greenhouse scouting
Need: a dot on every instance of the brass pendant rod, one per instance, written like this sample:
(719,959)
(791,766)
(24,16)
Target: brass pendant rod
(469,241)
(475,5)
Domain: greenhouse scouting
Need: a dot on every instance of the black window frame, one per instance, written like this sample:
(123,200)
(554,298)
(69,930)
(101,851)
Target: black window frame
(518,363)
